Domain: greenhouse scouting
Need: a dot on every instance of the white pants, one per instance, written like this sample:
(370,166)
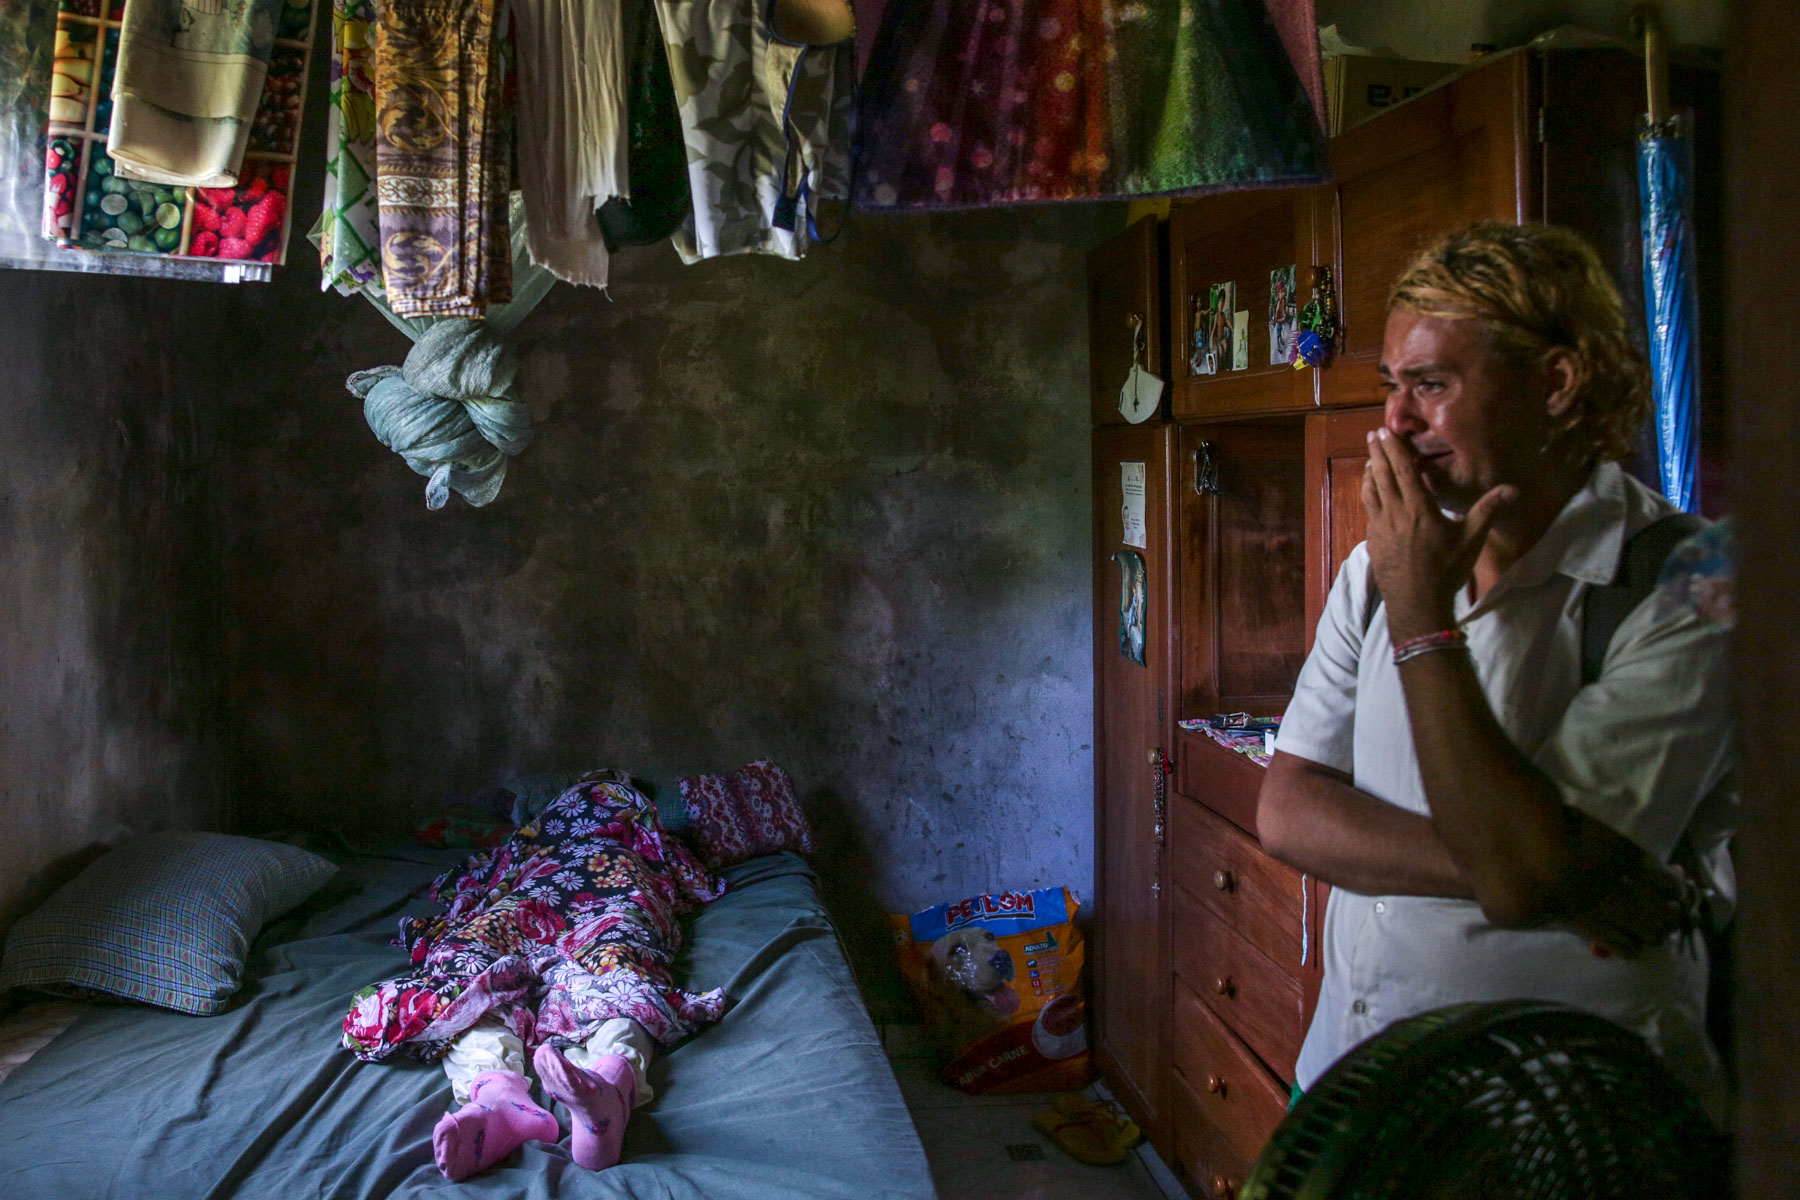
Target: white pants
(490,1046)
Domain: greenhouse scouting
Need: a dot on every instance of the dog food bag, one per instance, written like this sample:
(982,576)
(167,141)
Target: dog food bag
(1000,979)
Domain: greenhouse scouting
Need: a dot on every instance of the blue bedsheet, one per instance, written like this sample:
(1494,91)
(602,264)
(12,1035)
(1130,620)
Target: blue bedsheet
(788,1097)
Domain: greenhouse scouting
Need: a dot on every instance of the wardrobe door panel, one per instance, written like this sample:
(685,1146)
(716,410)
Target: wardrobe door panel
(1337,450)
(1439,162)
(1242,541)
(1131,721)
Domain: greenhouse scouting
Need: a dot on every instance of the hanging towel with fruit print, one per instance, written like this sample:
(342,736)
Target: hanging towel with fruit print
(242,223)
(348,231)
(185,94)
(441,157)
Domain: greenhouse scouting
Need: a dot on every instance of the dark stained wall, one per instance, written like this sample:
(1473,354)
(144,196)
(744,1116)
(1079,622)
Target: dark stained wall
(833,512)
(111,659)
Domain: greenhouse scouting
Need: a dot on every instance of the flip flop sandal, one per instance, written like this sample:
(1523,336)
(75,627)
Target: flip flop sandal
(1072,1104)
(1093,1132)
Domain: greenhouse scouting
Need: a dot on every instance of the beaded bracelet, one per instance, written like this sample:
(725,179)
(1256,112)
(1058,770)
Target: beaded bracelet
(1425,643)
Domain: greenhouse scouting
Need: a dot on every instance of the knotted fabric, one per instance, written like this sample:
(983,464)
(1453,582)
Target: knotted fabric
(449,410)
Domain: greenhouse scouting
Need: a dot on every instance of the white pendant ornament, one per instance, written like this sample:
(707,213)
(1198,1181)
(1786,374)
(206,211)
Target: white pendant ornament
(1141,395)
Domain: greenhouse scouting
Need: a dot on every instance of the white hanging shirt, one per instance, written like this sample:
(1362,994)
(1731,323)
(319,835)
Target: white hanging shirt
(1646,750)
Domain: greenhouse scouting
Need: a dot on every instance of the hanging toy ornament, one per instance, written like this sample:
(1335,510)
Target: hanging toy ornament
(1310,350)
(1317,335)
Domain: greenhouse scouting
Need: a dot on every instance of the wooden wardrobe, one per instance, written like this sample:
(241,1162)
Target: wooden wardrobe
(1207,951)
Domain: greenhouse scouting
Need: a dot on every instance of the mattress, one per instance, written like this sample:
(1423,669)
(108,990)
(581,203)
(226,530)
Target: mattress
(788,1097)
(31,1028)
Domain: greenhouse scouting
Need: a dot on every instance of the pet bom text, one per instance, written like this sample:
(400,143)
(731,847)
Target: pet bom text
(977,908)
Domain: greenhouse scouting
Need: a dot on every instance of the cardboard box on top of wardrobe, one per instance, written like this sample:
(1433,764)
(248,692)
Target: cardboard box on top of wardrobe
(1358,86)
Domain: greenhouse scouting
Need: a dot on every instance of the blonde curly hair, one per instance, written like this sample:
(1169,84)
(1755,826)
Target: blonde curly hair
(1537,288)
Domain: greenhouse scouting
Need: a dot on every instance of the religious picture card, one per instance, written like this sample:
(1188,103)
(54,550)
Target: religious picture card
(1284,316)
(1197,322)
(1134,601)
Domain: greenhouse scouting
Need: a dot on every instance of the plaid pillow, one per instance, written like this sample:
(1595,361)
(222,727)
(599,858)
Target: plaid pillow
(752,811)
(165,920)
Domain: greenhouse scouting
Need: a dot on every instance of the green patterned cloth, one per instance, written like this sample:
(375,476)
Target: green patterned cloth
(346,232)
(732,84)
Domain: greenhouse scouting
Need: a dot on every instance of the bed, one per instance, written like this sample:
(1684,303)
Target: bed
(788,1097)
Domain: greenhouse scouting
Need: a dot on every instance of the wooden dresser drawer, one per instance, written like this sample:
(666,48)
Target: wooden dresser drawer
(1202,1151)
(1223,779)
(1229,874)
(1255,998)
(1235,1094)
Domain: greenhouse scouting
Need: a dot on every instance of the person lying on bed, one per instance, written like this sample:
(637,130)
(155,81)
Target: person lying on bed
(559,939)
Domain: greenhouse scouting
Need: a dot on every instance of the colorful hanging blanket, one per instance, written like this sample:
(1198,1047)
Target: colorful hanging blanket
(763,120)
(441,162)
(570,923)
(980,102)
(348,229)
(185,94)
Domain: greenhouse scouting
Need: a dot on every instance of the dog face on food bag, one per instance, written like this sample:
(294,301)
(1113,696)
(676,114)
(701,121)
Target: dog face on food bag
(973,960)
(999,978)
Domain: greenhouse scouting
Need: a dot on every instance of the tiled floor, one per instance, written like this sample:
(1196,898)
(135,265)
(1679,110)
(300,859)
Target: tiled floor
(985,1148)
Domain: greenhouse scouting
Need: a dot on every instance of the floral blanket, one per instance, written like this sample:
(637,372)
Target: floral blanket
(570,922)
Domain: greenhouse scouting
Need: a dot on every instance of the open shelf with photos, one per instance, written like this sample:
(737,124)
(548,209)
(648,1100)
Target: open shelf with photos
(1237,264)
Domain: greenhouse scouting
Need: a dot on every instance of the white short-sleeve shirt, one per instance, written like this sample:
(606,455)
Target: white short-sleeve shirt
(1646,750)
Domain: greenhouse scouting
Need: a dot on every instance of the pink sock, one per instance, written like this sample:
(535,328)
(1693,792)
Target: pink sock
(498,1119)
(599,1100)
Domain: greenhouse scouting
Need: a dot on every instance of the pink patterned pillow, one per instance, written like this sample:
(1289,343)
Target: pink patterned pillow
(751,811)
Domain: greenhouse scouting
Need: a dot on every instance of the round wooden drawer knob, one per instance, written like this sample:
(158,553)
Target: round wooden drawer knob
(1215,1085)
(1222,880)
(1223,986)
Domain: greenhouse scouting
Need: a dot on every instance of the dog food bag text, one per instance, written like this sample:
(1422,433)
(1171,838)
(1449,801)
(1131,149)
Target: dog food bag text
(1000,979)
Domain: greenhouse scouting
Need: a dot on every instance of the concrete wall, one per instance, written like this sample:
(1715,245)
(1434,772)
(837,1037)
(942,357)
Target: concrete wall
(111,681)
(834,512)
